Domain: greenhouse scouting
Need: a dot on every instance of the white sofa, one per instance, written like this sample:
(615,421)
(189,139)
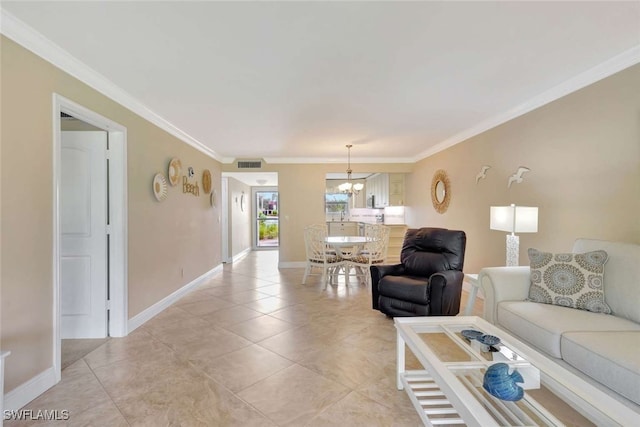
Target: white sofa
(600,347)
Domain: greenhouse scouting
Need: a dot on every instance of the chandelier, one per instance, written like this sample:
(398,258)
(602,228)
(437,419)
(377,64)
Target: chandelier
(348,187)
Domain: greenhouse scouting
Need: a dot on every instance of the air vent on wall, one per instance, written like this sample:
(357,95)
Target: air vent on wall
(66,116)
(249,164)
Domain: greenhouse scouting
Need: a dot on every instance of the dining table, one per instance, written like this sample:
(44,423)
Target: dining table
(341,243)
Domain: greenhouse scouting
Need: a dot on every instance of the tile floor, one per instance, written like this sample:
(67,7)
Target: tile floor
(251,347)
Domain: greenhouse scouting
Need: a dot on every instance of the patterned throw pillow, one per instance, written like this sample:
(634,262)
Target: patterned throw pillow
(569,280)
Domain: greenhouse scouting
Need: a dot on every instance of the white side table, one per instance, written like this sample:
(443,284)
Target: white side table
(471,279)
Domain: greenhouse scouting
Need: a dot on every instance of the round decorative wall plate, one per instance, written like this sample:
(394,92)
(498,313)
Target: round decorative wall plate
(206,181)
(212,198)
(160,188)
(175,170)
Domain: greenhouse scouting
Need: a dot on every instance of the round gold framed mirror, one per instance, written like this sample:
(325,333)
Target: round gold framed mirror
(440,191)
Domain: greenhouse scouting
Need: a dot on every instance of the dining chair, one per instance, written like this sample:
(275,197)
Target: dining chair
(318,256)
(373,252)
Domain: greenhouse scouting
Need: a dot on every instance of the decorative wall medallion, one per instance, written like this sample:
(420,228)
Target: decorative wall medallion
(242,202)
(160,188)
(206,181)
(517,177)
(440,191)
(175,170)
(212,198)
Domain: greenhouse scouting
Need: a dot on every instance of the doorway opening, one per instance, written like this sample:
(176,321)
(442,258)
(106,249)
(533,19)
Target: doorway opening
(267,221)
(89,227)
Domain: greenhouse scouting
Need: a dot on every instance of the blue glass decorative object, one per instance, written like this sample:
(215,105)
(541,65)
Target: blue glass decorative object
(471,334)
(489,339)
(502,384)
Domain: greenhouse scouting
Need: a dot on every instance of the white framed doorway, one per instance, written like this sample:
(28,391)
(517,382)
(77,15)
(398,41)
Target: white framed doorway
(266,221)
(115,158)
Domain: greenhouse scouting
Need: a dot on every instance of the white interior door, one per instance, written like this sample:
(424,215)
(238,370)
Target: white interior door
(83,228)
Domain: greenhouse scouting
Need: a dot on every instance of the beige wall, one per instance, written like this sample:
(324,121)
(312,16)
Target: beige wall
(239,220)
(584,154)
(164,238)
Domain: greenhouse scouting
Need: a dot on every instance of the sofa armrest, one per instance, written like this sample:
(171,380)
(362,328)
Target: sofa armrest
(503,284)
(445,288)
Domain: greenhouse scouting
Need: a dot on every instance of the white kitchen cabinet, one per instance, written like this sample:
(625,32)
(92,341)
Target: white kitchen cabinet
(396,189)
(387,189)
(343,228)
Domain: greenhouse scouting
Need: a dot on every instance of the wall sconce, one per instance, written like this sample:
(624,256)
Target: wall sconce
(514,219)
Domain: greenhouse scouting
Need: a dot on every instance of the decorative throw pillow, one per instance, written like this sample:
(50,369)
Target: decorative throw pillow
(569,280)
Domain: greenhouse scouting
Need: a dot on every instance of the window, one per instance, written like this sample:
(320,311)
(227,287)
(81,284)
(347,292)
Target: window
(334,203)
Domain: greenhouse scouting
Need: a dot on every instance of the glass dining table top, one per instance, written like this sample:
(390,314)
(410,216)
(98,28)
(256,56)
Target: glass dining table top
(347,240)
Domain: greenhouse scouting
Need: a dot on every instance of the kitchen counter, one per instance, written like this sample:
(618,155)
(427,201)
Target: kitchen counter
(345,228)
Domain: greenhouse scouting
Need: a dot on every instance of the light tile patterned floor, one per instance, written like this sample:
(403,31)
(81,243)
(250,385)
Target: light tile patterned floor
(251,347)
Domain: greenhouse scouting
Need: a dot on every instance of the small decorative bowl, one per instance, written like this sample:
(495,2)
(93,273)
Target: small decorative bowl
(489,340)
(471,334)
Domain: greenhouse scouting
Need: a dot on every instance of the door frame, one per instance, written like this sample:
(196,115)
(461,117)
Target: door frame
(254,212)
(117,321)
(224,210)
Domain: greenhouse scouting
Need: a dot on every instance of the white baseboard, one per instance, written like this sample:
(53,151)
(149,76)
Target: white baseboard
(295,264)
(147,314)
(241,255)
(26,392)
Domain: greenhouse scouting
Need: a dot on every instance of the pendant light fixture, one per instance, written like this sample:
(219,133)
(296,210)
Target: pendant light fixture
(349,187)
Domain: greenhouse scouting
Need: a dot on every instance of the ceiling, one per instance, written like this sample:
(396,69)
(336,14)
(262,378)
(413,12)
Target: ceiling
(297,81)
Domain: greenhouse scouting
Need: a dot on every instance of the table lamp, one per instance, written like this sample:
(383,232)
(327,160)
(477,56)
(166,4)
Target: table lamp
(514,219)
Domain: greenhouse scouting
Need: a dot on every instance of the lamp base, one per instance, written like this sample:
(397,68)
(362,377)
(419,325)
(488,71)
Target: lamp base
(513,250)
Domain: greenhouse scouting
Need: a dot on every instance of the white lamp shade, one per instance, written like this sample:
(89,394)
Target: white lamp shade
(514,219)
(358,186)
(346,186)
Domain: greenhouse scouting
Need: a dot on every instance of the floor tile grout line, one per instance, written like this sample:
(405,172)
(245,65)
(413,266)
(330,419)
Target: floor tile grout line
(292,300)
(107,393)
(235,394)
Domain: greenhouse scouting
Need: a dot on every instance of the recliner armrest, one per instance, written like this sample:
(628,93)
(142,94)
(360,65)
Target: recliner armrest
(377,273)
(503,284)
(444,293)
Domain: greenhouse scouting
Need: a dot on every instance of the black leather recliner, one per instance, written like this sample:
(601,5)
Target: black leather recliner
(428,282)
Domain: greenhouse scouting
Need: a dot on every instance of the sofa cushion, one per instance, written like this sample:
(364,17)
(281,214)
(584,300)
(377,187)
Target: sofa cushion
(621,275)
(612,358)
(542,325)
(569,280)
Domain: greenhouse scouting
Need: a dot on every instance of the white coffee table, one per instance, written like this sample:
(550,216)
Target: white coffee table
(449,388)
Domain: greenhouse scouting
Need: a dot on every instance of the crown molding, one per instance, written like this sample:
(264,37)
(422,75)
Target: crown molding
(616,64)
(30,39)
(311,160)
